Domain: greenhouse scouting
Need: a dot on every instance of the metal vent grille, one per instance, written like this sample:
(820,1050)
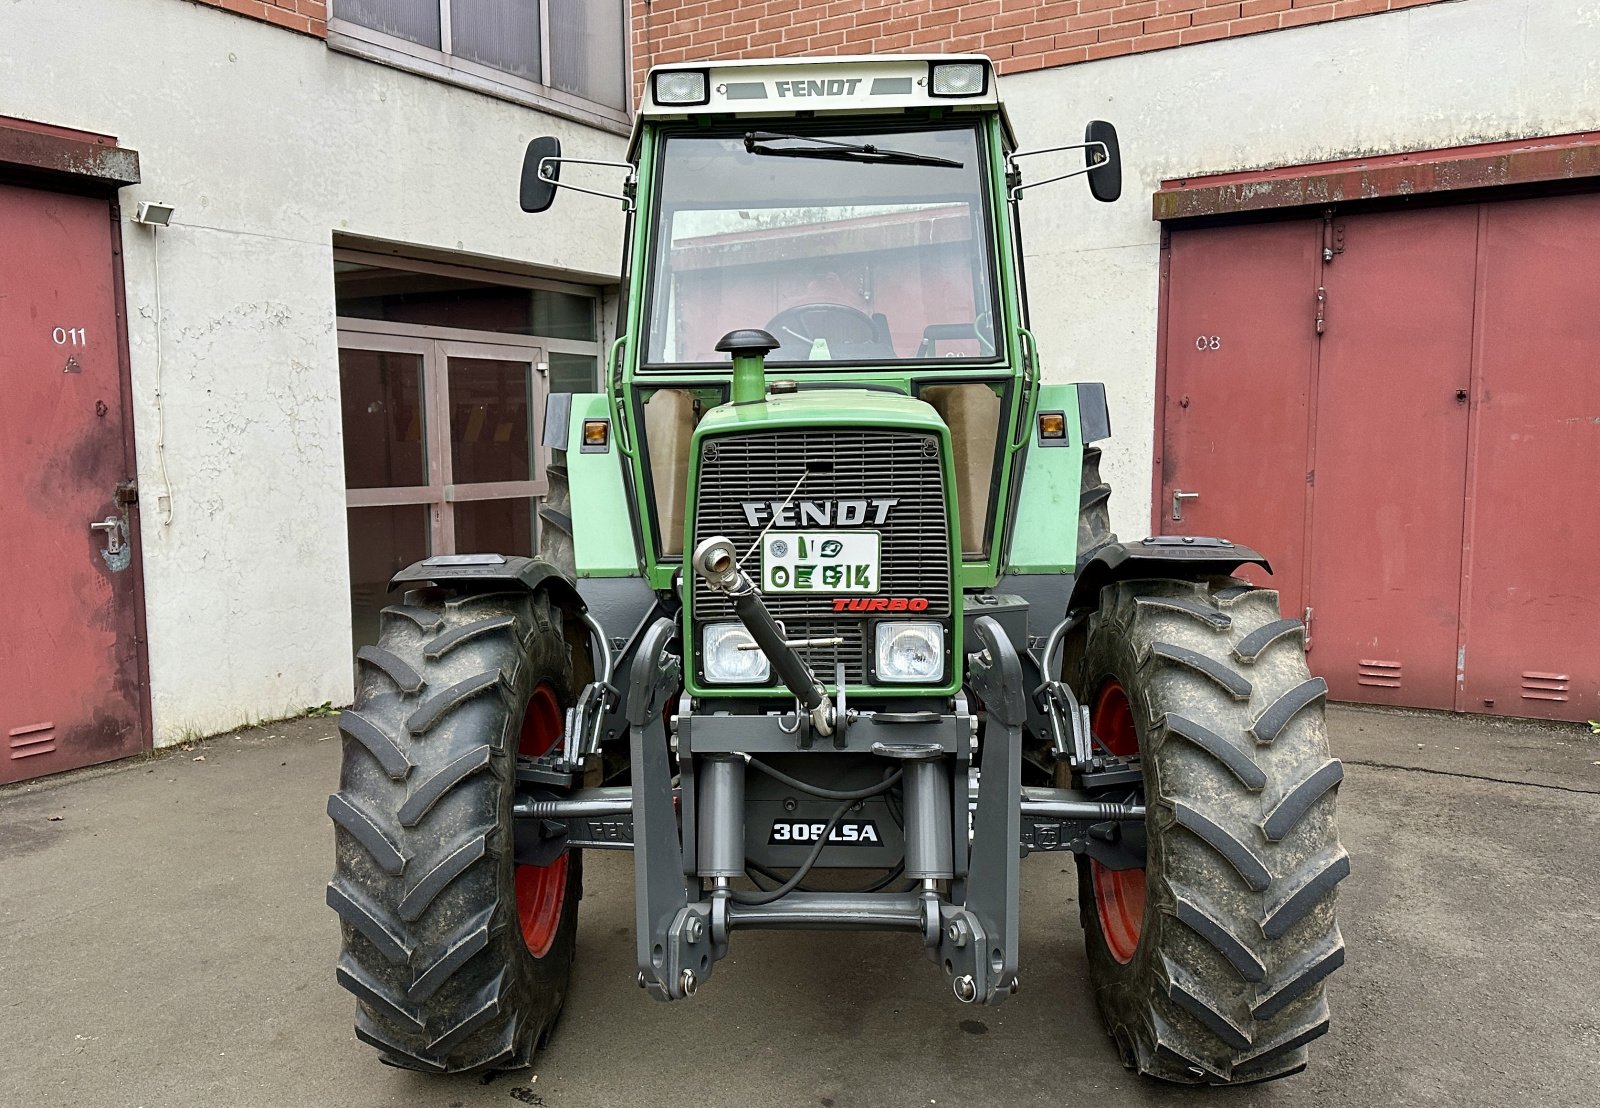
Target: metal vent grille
(33,739)
(1378,673)
(1545,686)
(835,465)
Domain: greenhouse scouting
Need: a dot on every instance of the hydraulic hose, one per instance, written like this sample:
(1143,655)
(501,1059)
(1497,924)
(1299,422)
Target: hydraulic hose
(799,875)
(818,790)
(767,896)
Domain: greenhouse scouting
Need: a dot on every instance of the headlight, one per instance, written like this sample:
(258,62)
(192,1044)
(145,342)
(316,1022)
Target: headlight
(725,663)
(909,651)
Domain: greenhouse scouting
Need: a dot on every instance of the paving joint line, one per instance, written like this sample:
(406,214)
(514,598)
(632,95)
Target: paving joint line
(1469,776)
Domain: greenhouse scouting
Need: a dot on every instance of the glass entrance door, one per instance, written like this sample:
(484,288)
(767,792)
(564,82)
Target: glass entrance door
(493,469)
(441,454)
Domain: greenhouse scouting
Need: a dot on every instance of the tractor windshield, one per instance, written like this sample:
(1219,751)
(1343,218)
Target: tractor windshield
(849,245)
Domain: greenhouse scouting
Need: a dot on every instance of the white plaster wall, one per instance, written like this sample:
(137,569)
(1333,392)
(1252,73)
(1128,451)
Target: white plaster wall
(1436,76)
(267,143)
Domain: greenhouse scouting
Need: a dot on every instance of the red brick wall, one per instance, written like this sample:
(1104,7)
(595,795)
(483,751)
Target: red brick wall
(1018,34)
(309,17)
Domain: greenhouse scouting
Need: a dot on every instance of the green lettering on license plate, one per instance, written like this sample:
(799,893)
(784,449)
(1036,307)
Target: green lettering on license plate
(820,561)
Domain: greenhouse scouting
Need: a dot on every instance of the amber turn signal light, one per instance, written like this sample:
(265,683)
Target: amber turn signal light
(596,434)
(1052,425)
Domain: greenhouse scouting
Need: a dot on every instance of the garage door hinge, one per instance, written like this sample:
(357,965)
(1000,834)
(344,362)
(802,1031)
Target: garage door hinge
(1322,303)
(1332,238)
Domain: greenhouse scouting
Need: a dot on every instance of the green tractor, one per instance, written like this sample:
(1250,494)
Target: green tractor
(828,626)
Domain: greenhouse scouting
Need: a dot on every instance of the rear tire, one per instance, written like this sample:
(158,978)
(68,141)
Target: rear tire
(451,972)
(1094,508)
(555,518)
(1210,969)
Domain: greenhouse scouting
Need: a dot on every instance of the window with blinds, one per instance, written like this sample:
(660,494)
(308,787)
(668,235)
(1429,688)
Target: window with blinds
(577,47)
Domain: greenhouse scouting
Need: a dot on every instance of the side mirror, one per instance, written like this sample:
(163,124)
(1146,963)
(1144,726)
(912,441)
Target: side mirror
(541,169)
(1105,168)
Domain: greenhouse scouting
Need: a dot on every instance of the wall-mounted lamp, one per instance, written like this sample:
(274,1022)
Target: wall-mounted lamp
(152,214)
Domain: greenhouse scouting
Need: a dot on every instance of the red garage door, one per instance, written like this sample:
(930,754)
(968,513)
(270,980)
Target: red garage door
(1407,424)
(1531,601)
(1240,349)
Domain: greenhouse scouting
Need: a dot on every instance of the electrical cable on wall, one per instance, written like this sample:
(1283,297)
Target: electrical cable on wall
(164,503)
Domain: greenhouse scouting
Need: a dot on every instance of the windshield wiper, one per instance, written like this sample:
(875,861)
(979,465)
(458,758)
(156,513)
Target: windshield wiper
(834,150)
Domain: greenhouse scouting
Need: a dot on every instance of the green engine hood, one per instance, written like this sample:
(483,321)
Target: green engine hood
(821,407)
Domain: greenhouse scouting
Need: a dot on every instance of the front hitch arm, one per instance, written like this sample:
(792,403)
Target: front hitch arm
(714,560)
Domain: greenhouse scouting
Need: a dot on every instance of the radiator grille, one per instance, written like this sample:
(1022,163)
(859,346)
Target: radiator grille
(836,465)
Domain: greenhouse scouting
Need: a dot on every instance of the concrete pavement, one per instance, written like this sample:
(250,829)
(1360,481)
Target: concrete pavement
(164,942)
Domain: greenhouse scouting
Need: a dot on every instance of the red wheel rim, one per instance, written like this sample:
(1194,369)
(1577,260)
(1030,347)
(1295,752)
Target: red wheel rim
(541,890)
(1118,893)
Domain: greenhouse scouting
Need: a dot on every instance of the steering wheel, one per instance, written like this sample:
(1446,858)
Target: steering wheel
(983,327)
(798,327)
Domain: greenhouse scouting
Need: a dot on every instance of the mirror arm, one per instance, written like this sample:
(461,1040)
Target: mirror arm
(546,167)
(1015,154)
(1015,191)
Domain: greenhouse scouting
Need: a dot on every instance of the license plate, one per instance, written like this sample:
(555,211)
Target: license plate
(847,832)
(820,561)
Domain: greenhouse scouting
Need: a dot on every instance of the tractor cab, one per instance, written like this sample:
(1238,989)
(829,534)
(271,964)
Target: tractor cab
(860,211)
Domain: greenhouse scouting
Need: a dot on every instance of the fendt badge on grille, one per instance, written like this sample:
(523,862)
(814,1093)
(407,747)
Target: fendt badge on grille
(819,513)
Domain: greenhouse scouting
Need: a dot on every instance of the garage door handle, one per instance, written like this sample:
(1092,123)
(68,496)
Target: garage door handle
(1178,497)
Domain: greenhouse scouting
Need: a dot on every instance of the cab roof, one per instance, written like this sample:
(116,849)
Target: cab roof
(850,85)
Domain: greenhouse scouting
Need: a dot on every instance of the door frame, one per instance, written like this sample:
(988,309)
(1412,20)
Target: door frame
(130,466)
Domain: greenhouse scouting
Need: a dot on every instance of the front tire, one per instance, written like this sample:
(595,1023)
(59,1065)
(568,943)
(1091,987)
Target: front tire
(1208,965)
(458,957)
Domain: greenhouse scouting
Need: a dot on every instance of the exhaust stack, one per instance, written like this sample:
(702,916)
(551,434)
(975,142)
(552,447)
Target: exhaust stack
(749,348)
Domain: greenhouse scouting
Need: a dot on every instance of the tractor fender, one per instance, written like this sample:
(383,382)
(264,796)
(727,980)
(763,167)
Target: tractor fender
(486,572)
(474,571)
(1181,557)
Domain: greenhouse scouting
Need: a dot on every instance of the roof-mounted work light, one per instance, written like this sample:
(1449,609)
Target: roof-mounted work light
(956,79)
(682,86)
